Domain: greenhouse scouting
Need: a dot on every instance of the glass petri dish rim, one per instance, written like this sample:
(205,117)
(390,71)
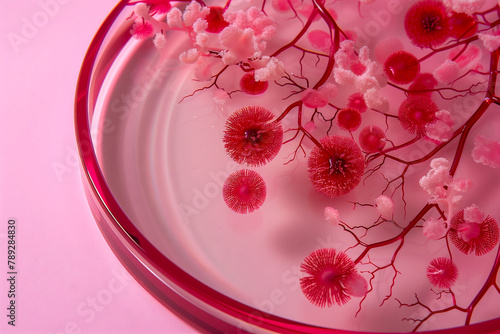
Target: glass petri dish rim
(161,277)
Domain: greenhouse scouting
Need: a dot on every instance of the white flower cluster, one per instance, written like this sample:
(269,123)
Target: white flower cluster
(246,35)
(361,72)
(464,6)
(440,185)
(443,190)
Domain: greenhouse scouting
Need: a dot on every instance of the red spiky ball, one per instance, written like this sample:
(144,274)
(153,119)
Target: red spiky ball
(336,168)
(470,237)
(349,119)
(416,112)
(328,276)
(427,24)
(252,137)
(142,29)
(401,67)
(357,101)
(462,25)
(252,87)
(442,272)
(244,191)
(372,139)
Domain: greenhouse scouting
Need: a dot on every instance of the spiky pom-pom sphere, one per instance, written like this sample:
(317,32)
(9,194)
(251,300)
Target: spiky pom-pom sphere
(442,273)
(244,191)
(142,29)
(357,101)
(349,119)
(337,166)
(215,19)
(252,87)
(472,237)
(416,112)
(328,277)
(372,139)
(159,7)
(462,25)
(427,24)
(401,67)
(252,137)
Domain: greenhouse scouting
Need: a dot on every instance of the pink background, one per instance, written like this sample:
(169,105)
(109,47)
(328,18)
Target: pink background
(68,279)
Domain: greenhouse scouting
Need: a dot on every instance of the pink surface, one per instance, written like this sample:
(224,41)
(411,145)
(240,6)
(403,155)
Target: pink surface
(68,280)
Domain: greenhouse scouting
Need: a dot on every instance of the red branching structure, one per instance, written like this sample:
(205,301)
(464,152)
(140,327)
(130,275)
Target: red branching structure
(461,50)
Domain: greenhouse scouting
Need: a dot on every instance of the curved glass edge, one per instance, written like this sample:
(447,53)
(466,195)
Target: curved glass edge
(120,233)
(197,318)
(136,253)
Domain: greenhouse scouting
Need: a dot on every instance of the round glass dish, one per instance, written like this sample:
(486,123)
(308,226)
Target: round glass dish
(410,243)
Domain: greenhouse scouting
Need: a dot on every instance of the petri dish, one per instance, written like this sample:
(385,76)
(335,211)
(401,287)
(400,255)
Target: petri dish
(299,166)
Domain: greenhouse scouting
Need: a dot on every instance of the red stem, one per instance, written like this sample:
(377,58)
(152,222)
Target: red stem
(400,236)
(299,35)
(490,281)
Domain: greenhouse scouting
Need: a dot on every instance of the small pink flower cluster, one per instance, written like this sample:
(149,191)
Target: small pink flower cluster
(268,68)
(435,228)
(246,36)
(472,214)
(440,184)
(444,189)
(486,152)
(358,70)
(491,40)
(385,207)
(332,215)
(459,62)
(145,26)
(464,6)
(441,129)
(192,19)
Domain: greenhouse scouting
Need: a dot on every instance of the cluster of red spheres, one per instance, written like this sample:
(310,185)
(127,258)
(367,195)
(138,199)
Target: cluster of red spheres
(252,138)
